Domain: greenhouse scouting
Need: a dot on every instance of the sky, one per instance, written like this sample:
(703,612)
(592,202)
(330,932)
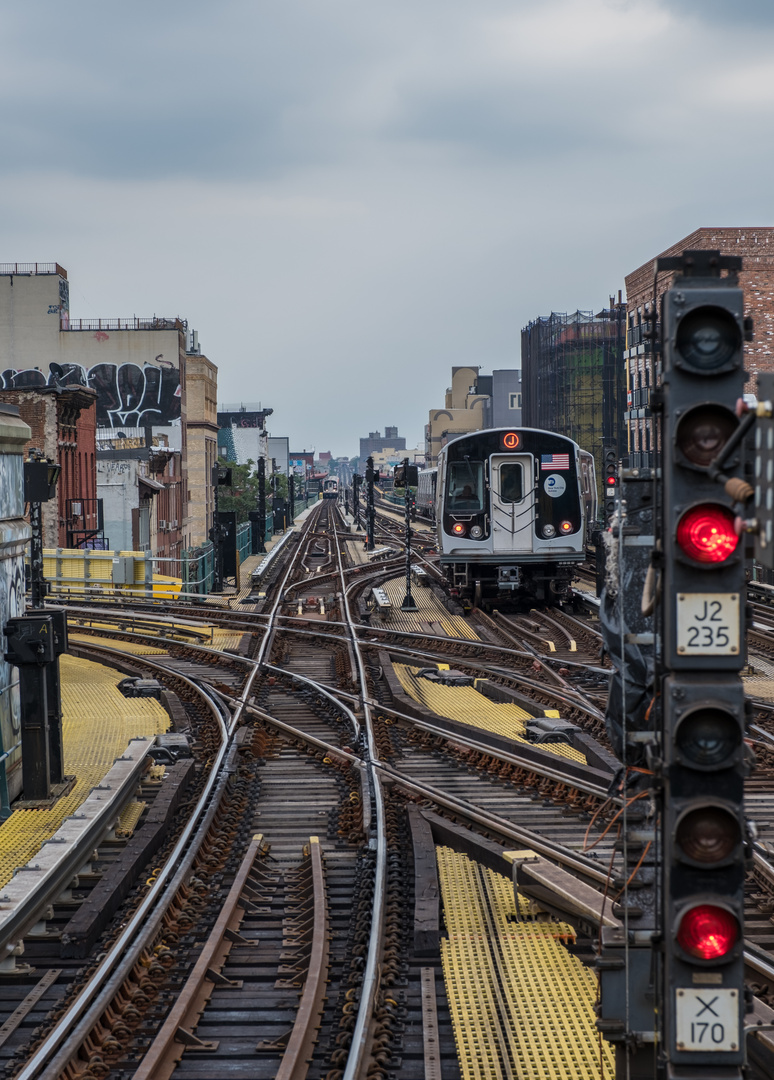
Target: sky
(346,198)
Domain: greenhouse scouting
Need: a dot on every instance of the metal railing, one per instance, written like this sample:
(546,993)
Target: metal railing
(33,268)
(243,541)
(135,323)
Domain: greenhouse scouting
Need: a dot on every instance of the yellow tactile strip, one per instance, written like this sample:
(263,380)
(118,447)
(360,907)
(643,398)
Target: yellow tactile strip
(226,639)
(515,994)
(98,723)
(466,705)
(129,818)
(431,611)
(135,647)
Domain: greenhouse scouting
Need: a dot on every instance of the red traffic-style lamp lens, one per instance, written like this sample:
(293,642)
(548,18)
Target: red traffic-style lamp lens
(707,534)
(458,528)
(565,527)
(707,932)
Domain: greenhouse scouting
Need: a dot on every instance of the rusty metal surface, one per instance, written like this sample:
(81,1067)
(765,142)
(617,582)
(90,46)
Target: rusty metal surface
(168,1046)
(295,1063)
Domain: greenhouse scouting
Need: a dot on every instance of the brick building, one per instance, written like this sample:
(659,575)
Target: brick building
(756,247)
(63,423)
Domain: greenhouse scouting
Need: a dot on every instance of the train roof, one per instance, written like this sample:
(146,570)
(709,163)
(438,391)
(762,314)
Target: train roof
(504,431)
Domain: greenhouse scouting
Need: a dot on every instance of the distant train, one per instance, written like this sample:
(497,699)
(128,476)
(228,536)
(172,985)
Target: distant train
(512,512)
(330,488)
(425,500)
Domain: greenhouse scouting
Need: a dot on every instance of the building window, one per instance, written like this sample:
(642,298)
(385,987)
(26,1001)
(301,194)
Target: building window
(514,401)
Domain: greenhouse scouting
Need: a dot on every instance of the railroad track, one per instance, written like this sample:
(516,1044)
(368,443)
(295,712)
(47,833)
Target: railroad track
(327,780)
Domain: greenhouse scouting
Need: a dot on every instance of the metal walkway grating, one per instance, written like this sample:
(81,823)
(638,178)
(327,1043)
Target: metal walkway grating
(98,724)
(521,1004)
(466,705)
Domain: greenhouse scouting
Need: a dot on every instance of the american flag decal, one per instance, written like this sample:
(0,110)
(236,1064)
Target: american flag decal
(554,461)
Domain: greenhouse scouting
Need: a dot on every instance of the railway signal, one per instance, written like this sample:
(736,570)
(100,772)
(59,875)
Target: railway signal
(704,760)
(610,478)
(370,475)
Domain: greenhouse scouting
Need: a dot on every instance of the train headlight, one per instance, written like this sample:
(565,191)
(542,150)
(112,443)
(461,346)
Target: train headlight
(458,528)
(476,532)
(549,531)
(566,527)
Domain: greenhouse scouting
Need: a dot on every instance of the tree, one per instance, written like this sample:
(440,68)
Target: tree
(242,496)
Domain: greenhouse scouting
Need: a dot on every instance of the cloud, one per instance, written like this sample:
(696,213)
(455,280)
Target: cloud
(347,199)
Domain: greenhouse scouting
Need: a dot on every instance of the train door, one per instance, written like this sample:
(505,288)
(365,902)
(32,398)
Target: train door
(513,503)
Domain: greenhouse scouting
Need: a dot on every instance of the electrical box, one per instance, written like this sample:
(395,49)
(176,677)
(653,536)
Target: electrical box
(123,570)
(30,640)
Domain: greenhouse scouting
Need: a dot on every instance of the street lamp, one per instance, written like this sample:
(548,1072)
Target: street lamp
(40,480)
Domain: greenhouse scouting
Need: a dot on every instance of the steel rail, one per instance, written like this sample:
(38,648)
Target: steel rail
(72,1028)
(297,1057)
(493,823)
(362,1034)
(161,1057)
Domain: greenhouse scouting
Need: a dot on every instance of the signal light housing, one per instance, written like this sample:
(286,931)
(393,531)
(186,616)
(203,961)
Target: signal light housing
(708,932)
(702,432)
(708,835)
(610,476)
(707,533)
(708,738)
(708,340)
(703,761)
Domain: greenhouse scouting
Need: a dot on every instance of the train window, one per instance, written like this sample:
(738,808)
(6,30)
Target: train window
(466,485)
(511,488)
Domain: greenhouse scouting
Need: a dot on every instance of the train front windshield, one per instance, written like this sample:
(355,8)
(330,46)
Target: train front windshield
(466,486)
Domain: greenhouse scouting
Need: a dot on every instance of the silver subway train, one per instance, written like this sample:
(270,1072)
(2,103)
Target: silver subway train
(513,507)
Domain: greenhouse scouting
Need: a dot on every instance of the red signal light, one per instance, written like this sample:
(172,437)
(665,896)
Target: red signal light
(707,932)
(611,481)
(458,528)
(707,533)
(566,527)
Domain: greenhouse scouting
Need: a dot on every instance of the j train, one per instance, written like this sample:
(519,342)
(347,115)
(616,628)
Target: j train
(512,509)
(330,488)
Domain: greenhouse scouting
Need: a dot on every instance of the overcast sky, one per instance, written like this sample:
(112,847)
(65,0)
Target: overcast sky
(347,197)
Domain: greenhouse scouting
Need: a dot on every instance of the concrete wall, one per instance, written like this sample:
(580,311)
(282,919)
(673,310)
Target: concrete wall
(202,445)
(278,449)
(117,486)
(138,373)
(505,383)
(445,424)
(14,536)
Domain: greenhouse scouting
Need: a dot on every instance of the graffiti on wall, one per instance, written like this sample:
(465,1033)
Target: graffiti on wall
(128,395)
(12,583)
